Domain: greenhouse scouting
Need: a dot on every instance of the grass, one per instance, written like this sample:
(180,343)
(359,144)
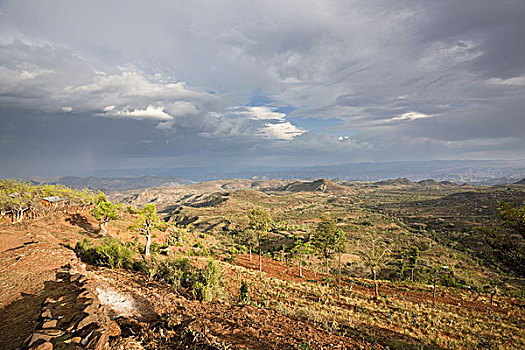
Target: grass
(408,215)
(204,284)
(392,319)
(111,253)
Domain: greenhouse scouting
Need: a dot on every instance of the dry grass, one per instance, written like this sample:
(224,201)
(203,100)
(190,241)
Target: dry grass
(437,324)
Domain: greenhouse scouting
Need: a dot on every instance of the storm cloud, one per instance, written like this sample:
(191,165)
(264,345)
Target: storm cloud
(89,85)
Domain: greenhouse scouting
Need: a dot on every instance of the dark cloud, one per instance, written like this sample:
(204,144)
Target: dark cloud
(96,84)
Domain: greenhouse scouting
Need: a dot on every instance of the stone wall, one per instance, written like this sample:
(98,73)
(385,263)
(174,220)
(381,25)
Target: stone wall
(76,319)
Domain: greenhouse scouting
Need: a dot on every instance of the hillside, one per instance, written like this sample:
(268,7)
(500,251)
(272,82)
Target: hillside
(321,185)
(172,195)
(145,304)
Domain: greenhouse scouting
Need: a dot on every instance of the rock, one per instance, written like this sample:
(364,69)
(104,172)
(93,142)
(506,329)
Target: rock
(47,313)
(76,340)
(44,346)
(74,321)
(52,332)
(87,338)
(114,329)
(128,344)
(99,340)
(49,301)
(49,324)
(90,309)
(66,345)
(87,321)
(95,302)
(82,281)
(85,294)
(78,268)
(74,277)
(38,338)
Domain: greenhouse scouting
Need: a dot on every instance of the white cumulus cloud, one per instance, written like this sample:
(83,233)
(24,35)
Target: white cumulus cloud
(411,116)
(259,113)
(281,131)
(516,81)
(150,113)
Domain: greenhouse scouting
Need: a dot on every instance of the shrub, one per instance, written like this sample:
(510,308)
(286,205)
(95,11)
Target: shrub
(244,293)
(110,253)
(205,284)
(209,283)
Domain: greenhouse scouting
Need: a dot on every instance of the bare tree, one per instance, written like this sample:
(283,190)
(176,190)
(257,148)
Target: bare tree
(375,254)
(249,238)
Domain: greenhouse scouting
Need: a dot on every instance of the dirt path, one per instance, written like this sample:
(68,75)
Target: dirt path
(30,254)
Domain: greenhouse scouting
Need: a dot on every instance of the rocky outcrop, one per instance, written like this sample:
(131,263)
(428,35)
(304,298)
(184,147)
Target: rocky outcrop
(76,319)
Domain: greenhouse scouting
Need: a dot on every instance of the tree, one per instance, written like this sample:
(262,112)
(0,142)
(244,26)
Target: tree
(340,248)
(17,198)
(506,241)
(105,211)
(513,217)
(147,219)
(299,251)
(326,239)
(249,238)
(413,257)
(260,221)
(375,254)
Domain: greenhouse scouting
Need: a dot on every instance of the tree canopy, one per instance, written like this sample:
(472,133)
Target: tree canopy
(328,239)
(261,222)
(145,221)
(105,211)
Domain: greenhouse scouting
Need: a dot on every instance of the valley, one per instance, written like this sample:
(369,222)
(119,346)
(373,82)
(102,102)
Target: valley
(453,296)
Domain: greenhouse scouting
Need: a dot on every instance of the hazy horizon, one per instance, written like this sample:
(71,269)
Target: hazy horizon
(485,172)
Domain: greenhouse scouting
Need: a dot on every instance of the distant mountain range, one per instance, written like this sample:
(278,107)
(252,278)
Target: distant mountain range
(113,183)
(477,172)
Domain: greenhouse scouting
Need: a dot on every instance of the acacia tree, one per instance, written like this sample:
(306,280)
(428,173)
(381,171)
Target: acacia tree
(18,197)
(299,251)
(375,254)
(19,205)
(147,219)
(260,221)
(326,239)
(105,211)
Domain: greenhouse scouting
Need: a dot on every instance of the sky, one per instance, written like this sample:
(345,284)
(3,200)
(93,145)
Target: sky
(90,85)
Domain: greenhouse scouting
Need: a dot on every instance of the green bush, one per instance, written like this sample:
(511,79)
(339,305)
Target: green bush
(244,294)
(205,284)
(209,283)
(110,253)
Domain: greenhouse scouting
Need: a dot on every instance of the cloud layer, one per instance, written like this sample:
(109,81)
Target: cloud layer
(302,82)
